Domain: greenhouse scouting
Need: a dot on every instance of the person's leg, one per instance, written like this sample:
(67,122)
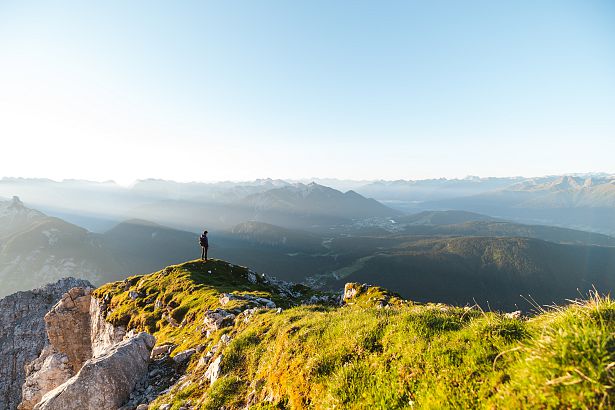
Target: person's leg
(206,248)
(202,252)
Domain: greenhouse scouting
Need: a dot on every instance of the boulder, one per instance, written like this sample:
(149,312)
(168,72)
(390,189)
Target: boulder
(351,290)
(105,382)
(267,302)
(217,319)
(227,297)
(213,371)
(513,315)
(103,334)
(225,339)
(23,336)
(182,357)
(68,326)
(44,374)
(162,350)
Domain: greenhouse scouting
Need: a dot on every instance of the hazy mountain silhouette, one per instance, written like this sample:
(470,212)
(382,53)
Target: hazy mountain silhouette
(461,223)
(586,203)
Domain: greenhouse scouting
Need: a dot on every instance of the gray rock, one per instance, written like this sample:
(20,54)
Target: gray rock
(68,326)
(513,315)
(105,382)
(213,371)
(247,314)
(44,374)
(23,336)
(267,302)
(182,357)
(217,319)
(162,350)
(227,297)
(226,339)
(351,290)
(103,334)
(77,332)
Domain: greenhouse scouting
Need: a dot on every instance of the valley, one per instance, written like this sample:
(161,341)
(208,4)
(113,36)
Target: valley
(315,235)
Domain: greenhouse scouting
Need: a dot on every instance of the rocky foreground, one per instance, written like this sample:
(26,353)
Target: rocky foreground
(23,336)
(214,335)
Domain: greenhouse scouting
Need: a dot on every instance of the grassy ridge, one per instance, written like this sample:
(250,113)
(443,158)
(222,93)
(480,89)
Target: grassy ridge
(404,355)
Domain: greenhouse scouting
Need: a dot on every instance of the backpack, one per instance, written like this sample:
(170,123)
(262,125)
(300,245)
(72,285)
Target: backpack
(203,240)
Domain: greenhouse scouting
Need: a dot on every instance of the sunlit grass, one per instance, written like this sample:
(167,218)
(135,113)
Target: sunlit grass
(362,356)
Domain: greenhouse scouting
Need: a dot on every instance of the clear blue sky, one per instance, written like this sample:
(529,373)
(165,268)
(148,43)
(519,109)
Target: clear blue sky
(350,89)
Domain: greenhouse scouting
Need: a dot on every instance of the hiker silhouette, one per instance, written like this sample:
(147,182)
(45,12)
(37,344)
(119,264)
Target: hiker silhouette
(204,242)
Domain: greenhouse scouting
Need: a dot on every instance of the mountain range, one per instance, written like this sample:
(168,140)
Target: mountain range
(449,256)
(585,202)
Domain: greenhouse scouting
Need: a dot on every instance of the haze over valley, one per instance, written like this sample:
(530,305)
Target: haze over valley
(425,240)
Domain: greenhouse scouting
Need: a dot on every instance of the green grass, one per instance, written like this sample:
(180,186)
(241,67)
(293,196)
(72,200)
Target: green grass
(365,357)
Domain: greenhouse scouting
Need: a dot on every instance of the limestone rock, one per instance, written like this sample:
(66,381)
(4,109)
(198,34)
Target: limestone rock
(267,302)
(23,336)
(44,374)
(226,298)
(163,350)
(77,332)
(351,290)
(105,382)
(68,326)
(513,315)
(213,371)
(182,357)
(217,319)
(225,339)
(103,334)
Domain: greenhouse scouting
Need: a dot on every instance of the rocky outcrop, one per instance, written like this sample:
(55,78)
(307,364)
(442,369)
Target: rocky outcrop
(105,382)
(79,336)
(351,290)
(23,336)
(68,326)
(103,335)
(44,374)
(89,363)
(213,371)
(217,319)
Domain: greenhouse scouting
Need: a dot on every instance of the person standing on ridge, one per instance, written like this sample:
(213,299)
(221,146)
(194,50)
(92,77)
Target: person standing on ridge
(204,242)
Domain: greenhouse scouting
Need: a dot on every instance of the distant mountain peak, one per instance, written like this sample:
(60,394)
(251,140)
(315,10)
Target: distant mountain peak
(316,199)
(14,208)
(16,202)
